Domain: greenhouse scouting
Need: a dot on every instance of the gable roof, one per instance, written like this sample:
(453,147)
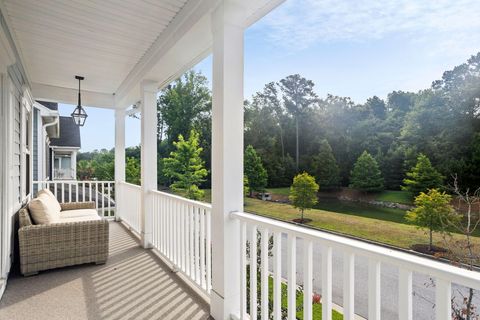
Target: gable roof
(69,134)
(50,105)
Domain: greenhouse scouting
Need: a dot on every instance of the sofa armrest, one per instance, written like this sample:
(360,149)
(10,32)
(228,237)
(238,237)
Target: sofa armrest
(77,205)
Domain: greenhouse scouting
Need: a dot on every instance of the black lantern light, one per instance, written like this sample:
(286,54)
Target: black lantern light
(79,115)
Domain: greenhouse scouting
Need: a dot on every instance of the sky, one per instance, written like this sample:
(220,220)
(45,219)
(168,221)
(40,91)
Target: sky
(354,48)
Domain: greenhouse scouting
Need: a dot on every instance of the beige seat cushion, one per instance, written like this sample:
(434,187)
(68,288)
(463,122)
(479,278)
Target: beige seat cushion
(79,215)
(44,210)
(52,196)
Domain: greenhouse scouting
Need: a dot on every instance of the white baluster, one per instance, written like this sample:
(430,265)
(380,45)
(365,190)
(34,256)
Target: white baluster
(307,279)
(443,299)
(253,273)
(326,283)
(277,276)
(348,285)
(202,249)
(243,270)
(209,251)
(264,273)
(292,279)
(404,294)
(374,290)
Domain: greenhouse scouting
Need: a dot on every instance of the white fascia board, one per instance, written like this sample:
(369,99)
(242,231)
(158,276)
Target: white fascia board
(70,96)
(65,149)
(7,52)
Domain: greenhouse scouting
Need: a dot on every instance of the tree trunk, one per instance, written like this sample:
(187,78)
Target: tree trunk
(431,241)
(297,153)
(282,143)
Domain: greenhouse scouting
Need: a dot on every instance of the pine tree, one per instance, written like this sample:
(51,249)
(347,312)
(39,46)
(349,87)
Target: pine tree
(254,171)
(185,167)
(325,168)
(422,177)
(366,175)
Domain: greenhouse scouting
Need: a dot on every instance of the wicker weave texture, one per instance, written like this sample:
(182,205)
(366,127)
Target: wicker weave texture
(57,245)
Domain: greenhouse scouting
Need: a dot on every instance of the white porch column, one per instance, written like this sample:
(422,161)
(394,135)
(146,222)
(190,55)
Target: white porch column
(148,156)
(227,157)
(119,156)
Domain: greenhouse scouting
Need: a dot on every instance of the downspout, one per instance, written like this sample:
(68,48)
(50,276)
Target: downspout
(45,126)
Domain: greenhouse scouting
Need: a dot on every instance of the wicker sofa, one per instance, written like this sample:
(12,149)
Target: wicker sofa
(76,238)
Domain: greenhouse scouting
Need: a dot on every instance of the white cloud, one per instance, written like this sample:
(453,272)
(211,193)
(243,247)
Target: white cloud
(299,24)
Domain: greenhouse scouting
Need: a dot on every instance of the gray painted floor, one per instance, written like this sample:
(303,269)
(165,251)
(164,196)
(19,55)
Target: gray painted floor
(133,284)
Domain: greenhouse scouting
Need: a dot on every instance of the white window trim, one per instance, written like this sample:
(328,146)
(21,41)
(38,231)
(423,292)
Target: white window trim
(26,130)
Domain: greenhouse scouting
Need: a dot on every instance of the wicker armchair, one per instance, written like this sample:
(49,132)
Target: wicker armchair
(56,245)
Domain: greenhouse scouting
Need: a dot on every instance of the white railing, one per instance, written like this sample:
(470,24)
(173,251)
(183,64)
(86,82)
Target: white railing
(444,275)
(129,204)
(182,235)
(101,192)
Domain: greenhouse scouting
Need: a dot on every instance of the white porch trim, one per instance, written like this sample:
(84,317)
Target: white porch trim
(119,153)
(69,96)
(148,157)
(227,157)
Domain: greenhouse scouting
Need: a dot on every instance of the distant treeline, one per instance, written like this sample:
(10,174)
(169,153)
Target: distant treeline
(441,122)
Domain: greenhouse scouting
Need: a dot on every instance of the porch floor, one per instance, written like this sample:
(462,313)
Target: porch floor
(133,284)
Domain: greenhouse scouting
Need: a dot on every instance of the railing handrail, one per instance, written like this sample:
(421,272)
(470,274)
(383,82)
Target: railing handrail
(415,263)
(200,204)
(74,181)
(130,184)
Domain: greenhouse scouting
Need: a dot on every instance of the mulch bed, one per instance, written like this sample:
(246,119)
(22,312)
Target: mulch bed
(434,251)
(305,220)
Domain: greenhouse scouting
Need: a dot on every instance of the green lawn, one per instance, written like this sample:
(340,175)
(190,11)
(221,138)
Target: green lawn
(361,210)
(393,233)
(395,196)
(316,307)
(280,191)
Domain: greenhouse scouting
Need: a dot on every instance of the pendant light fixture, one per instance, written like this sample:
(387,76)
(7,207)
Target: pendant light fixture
(79,115)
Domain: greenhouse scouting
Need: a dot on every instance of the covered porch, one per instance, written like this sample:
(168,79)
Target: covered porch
(192,260)
(133,284)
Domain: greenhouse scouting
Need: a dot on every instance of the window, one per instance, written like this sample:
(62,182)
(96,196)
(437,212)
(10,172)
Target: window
(26,150)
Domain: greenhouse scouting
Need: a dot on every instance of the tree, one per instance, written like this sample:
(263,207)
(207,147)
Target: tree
(85,171)
(254,171)
(298,95)
(182,105)
(132,170)
(366,175)
(461,252)
(303,193)
(422,177)
(324,166)
(377,107)
(432,210)
(185,166)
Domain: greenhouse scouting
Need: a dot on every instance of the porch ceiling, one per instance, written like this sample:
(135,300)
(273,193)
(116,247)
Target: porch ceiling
(113,43)
(101,40)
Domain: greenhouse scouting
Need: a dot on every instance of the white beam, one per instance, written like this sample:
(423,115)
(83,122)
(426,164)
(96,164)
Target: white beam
(119,154)
(148,157)
(70,96)
(227,157)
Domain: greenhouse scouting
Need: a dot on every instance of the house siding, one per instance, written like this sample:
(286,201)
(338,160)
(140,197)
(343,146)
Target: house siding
(15,100)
